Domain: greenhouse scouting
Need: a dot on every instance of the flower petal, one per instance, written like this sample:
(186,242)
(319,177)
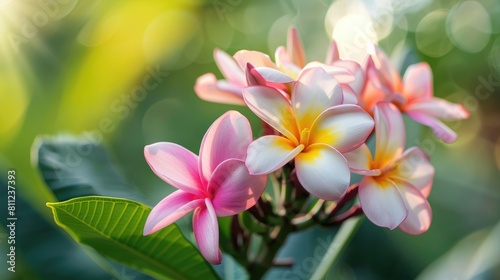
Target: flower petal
(170,209)
(314,92)
(356,71)
(388,73)
(360,160)
(339,73)
(439,108)
(269,153)
(273,108)
(265,76)
(375,90)
(419,216)
(210,89)
(382,202)
(294,48)
(390,133)
(418,82)
(414,168)
(273,76)
(235,190)
(439,129)
(229,68)
(285,64)
(333,53)
(228,137)
(175,165)
(206,232)
(323,171)
(344,127)
(350,97)
(257,59)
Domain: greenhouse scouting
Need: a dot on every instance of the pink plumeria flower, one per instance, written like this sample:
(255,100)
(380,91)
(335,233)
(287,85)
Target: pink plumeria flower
(396,185)
(215,184)
(229,91)
(290,61)
(412,95)
(315,130)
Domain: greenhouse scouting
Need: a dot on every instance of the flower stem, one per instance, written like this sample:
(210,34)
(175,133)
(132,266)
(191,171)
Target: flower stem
(339,242)
(271,244)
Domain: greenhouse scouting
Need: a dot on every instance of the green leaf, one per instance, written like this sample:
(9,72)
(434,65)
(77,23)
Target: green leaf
(113,227)
(75,166)
(248,222)
(78,166)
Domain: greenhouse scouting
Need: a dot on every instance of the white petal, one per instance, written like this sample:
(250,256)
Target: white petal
(419,211)
(323,171)
(382,202)
(390,133)
(269,153)
(273,108)
(415,168)
(359,159)
(344,127)
(314,92)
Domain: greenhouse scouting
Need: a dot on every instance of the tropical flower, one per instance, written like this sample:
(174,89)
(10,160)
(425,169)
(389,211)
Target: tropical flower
(396,185)
(412,95)
(215,184)
(315,130)
(247,68)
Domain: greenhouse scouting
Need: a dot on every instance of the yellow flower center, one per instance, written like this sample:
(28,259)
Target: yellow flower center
(304,136)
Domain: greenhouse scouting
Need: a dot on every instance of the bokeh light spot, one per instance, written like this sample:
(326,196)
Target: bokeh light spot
(469,26)
(431,34)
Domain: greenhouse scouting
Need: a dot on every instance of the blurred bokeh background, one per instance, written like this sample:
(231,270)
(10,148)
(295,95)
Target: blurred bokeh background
(121,73)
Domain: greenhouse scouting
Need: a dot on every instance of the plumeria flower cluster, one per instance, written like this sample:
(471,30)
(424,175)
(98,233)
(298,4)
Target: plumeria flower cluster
(318,117)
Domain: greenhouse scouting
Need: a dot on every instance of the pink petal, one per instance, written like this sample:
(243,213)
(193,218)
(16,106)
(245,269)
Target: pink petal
(356,71)
(314,92)
(170,209)
(382,202)
(390,133)
(175,165)
(414,168)
(235,190)
(438,128)
(344,127)
(419,216)
(270,77)
(228,137)
(360,160)
(206,232)
(208,88)
(341,74)
(418,82)
(274,76)
(349,96)
(268,153)
(273,108)
(439,108)
(295,49)
(333,53)
(285,64)
(386,69)
(375,89)
(229,68)
(257,59)
(323,172)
